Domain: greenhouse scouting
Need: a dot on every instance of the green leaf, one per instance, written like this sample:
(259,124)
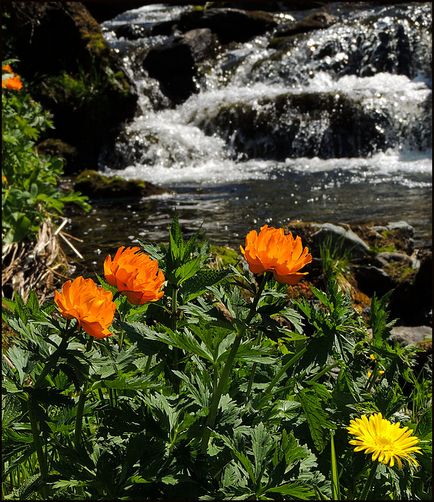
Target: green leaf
(316,417)
(68,483)
(30,486)
(187,270)
(19,359)
(295,489)
(262,444)
(198,284)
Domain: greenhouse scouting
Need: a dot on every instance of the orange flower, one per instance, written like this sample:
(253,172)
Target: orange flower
(135,274)
(272,250)
(92,306)
(13,83)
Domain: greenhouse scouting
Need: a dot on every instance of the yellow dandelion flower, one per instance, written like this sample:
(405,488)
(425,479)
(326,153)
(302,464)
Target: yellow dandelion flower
(372,357)
(386,441)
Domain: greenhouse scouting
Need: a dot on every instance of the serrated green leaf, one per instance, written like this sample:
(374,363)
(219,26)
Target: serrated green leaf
(316,417)
(199,283)
(294,489)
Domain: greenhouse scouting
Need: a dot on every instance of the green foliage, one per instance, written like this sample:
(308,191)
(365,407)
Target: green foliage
(335,258)
(193,396)
(30,181)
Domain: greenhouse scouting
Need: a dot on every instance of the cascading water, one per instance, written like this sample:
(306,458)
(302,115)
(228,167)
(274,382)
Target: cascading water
(329,125)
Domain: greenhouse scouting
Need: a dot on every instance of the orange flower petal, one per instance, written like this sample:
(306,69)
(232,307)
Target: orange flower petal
(272,250)
(92,306)
(135,274)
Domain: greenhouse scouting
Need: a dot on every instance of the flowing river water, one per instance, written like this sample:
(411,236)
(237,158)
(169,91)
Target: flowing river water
(333,125)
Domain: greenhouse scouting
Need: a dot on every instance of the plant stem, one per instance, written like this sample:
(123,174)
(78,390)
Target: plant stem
(148,364)
(38,444)
(368,484)
(335,476)
(217,392)
(253,372)
(174,306)
(282,370)
(80,405)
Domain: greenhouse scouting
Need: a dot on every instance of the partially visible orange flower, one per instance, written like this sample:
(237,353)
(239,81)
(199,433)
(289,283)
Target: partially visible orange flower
(92,306)
(4,180)
(135,274)
(273,250)
(12,83)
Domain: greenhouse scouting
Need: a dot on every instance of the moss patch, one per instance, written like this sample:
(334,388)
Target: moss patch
(223,256)
(96,185)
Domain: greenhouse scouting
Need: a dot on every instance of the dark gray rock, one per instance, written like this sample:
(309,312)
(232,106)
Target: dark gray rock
(57,148)
(291,125)
(372,280)
(411,300)
(230,25)
(174,63)
(407,335)
(346,239)
(315,21)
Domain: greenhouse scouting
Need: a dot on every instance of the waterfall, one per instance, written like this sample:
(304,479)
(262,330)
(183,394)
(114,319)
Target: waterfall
(332,123)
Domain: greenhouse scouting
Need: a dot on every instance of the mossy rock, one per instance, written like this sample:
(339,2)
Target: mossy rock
(70,69)
(97,186)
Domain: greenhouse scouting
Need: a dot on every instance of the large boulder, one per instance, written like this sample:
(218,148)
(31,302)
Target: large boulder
(230,25)
(70,69)
(307,124)
(174,63)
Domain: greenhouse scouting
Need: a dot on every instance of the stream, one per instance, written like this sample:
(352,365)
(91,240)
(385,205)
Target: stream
(332,125)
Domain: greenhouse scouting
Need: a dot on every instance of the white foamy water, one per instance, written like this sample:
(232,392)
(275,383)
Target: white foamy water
(155,13)
(402,166)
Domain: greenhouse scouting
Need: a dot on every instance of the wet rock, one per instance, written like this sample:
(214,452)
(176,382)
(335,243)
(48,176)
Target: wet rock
(315,21)
(373,280)
(392,260)
(395,236)
(132,31)
(135,31)
(71,71)
(323,124)
(411,300)
(407,335)
(174,64)
(345,239)
(271,5)
(406,277)
(230,25)
(97,186)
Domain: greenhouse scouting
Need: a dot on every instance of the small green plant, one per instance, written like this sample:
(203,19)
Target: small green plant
(335,258)
(30,181)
